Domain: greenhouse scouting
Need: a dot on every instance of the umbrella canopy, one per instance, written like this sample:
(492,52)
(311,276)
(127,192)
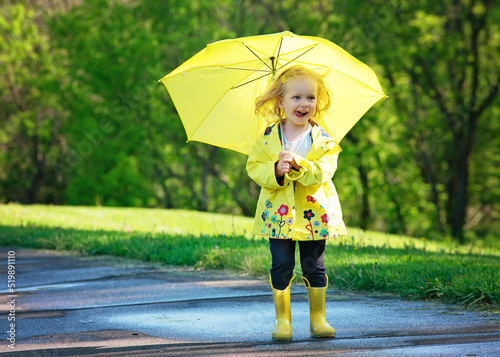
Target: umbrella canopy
(215,90)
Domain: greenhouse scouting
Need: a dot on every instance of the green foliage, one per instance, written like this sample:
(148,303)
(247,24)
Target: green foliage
(84,121)
(32,111)
(439,62)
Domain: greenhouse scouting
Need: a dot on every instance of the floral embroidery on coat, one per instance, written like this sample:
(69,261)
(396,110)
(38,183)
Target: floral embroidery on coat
(276,221)
(275,227)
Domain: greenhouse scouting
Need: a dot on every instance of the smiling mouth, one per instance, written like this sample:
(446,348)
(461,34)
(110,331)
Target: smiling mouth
(300,114)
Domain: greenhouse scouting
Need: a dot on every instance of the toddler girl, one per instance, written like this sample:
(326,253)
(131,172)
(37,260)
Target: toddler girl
(293,162)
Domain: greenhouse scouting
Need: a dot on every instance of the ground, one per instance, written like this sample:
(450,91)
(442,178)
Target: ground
(70,305)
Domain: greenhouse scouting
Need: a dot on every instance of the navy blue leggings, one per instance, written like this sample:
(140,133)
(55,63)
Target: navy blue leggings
(311,260)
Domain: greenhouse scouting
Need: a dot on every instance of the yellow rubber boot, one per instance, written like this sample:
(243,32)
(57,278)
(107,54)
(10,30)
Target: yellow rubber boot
(320,328)
(283,324)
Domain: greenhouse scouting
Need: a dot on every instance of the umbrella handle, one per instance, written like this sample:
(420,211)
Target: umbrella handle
(294,177)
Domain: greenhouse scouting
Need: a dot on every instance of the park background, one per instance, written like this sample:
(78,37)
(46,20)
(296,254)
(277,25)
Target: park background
(83,120)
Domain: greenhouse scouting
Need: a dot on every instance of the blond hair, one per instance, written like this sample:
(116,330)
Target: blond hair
(268,106)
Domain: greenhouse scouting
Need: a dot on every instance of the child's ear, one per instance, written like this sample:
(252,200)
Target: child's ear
(280,103)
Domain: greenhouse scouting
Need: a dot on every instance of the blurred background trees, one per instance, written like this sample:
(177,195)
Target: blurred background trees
(84,122)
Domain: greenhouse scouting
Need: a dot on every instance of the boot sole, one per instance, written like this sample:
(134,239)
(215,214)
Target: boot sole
(323,335)
(284,338)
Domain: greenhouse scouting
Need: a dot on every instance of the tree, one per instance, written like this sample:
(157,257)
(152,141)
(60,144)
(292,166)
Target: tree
(441,60)
(32,113)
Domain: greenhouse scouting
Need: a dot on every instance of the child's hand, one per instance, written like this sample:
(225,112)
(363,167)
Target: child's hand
(288,157)
(285,163)
(282,168)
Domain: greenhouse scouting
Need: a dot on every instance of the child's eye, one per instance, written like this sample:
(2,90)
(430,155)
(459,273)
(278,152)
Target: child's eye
(295,97)
(311,98)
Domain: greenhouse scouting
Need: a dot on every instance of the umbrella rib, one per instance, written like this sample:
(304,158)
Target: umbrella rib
(248,48)
(275,60)
(303,53)
(253,80)
(305,48)
(247,69)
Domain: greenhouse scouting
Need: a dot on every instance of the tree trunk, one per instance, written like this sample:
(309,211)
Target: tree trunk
(37,177)
(212,152)
(364,217)
(428,172)
(459,179)
(364,214)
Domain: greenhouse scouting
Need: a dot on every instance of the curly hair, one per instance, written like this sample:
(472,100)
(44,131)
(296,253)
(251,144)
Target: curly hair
(267,104)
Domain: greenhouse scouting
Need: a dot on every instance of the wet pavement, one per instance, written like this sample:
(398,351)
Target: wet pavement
(67,305)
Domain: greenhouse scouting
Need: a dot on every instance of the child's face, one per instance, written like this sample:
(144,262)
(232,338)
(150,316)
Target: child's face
(299,101)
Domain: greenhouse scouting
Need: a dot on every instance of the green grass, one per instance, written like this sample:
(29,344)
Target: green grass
(137,220)
(414,268)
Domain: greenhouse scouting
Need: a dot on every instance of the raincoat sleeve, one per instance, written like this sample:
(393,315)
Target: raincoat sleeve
(318,171)
(261,167)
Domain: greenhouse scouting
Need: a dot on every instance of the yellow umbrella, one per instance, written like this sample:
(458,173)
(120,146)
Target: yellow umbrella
(215,90)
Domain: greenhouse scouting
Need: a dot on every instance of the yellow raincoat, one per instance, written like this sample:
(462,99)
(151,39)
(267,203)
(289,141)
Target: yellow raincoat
(304,204)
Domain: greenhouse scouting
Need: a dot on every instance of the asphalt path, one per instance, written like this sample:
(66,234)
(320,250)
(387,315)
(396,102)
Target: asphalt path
(69,305)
